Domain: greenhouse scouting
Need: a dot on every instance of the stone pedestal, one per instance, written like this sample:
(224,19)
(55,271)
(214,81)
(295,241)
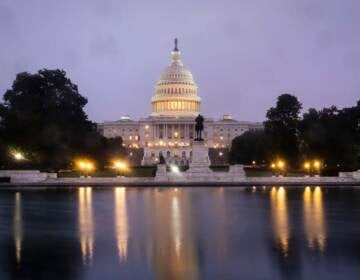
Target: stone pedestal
(161,173)
(236,172)
(356,174)
(199,167)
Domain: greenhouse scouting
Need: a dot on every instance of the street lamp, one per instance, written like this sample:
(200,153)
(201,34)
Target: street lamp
(279,166)
(317,166)
(307,167)
(85,166)
(120,166)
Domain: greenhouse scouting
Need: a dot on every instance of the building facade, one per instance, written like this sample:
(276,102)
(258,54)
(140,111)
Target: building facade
(170,128)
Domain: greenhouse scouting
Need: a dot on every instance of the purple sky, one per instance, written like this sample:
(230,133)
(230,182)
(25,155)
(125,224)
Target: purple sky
(242,53)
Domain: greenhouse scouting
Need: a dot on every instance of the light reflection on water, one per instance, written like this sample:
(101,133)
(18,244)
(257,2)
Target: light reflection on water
(280,218)
(86,224)
(121,223)
(18,227)
(173,249)
(189,233)
(314,219)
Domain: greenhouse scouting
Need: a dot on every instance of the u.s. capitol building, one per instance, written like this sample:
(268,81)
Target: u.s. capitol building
(170,128)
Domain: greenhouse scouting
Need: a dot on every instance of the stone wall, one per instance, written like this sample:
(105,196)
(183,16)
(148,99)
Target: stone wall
(354,174)
(27,176)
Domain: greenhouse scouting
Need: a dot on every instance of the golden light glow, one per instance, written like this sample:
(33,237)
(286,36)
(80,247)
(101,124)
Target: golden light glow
(86,227)
(176,134)
(314,218)
(85,165)
(16,154)
(280,164)
(18,227)
(253,162)
(173,245)
(273,165)
(19,156)
(146,126)
(280,219)
(307,165)
(317,164)
(121,223)
(120,165)
(176,224)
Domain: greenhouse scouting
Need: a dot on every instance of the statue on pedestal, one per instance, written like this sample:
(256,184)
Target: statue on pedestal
(162,159)
(199,127)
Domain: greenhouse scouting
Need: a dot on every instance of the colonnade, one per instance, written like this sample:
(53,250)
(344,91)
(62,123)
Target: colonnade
(183,105)
(173,131)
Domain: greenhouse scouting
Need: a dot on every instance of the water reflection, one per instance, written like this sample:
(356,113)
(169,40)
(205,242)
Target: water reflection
(18,227)
(314,219)
(86,224)
(280,220)
(174,248)
(121,223)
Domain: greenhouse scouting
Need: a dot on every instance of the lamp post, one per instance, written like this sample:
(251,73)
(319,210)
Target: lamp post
(85,166)
(273,168)
(317,167)
(278,167)
(312,167)
(307,167)
(120,167)
(281,166)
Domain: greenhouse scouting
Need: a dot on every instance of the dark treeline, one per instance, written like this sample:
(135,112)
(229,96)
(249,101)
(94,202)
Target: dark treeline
(42,117)
(331,135)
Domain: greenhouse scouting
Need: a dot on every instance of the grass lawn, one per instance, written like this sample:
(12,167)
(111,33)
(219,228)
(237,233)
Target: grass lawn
(140,171)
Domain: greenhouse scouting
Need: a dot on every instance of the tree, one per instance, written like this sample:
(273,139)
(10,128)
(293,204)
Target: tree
(332,134)
(282,127)
(104,149)
(42,114)
(248,147)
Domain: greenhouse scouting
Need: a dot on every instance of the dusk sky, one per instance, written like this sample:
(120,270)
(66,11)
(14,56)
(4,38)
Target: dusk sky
(243,54)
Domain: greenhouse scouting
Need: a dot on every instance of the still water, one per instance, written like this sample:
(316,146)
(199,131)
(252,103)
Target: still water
(180,233)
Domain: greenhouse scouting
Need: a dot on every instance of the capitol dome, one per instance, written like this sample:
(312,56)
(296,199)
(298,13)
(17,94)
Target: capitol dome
(176,91)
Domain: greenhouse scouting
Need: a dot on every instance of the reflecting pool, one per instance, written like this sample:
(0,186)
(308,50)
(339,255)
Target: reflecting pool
(180,233)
